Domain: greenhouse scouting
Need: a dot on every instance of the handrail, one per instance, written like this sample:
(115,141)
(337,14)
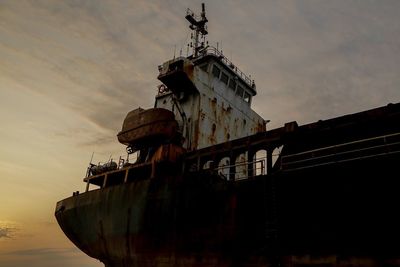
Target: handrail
(245,165)
(331,153)
(342,145)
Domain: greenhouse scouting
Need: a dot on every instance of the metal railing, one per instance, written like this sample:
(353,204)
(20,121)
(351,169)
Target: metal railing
(242,169)
(355,150)
(121,163)
(210,50)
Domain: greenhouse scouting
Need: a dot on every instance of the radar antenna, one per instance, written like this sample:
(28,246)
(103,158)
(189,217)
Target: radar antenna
(199,28)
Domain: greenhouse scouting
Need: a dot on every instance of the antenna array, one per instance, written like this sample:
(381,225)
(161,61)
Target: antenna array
(199,28)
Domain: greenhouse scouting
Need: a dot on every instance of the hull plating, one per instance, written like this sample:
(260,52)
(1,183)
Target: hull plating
(341,215)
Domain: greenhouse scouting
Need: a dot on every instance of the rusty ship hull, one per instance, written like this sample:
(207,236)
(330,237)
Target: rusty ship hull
(330,199)
(157,222)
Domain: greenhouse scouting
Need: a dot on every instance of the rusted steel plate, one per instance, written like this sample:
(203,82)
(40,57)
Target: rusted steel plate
(148,125)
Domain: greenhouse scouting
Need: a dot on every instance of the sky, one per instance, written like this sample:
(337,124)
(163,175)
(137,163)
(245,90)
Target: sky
(70,70)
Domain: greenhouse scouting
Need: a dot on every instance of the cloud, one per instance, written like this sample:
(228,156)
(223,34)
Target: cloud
(323,59)
(8,229)
(310,59)
(97,59)
(43,252)
(90,64)
(5,232)
(47,257)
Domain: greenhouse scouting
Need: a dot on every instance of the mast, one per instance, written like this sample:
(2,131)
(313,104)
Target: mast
(199,28)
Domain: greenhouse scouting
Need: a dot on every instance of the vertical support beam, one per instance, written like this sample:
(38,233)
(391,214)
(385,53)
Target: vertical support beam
(87,185)
(105,180)
(262,167)
(212,164)
(198,163)
(183,166)
(232,168)
(126,175)
(269,160)
(250,163)
(212,160)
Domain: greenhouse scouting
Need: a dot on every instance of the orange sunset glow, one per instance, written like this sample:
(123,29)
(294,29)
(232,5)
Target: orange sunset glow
(71,70)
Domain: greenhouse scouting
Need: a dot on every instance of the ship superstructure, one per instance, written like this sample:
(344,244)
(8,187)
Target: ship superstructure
(199,194)
(210,96)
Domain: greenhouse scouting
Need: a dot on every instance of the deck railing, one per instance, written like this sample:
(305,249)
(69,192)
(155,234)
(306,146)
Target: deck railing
(350,151)
(210,50)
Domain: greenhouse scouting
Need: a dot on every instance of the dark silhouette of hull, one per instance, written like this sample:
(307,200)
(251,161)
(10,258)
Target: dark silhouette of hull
(331,199)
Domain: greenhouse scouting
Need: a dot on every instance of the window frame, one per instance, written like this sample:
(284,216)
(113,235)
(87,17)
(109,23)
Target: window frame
(223,74)
(213,72)
(232,81)
(247,97)
(239,91)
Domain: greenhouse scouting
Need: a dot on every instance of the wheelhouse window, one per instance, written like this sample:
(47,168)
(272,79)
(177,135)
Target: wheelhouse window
(232,84)
(216,71)
(204,67)
(239,91)
(224,78)
(247,97)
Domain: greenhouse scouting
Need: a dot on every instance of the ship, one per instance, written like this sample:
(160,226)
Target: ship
(204,183)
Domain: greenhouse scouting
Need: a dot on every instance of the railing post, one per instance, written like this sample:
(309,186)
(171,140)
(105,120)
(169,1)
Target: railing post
(232,168)
(126,175)
(105,180)
(198,163)
(250,164)
(262,166)
(87,185)
(269,160)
